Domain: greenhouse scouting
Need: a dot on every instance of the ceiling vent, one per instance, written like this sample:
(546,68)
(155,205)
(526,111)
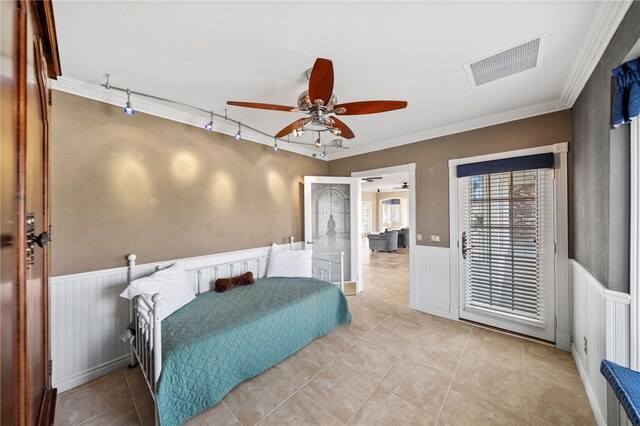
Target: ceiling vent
(523,57)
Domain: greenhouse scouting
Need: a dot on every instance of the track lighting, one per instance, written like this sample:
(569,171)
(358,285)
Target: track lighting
(324,154)
(209,126)
(298,132)
(128,109)
(275,145)
(239,134)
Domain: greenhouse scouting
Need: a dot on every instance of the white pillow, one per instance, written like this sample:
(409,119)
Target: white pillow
(289,263)
(171,283)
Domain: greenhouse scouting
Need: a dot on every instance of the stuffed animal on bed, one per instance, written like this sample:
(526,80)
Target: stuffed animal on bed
(224,284)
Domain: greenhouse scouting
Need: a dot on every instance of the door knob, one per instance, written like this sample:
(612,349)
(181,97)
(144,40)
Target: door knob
(42,239)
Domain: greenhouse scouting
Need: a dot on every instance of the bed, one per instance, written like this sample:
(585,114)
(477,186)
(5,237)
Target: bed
(195,356)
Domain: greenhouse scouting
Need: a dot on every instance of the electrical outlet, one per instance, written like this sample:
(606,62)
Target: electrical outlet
(585,344)
(418,237)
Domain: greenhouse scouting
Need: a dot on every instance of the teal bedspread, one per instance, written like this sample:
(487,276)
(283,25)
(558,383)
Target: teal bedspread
(221,339)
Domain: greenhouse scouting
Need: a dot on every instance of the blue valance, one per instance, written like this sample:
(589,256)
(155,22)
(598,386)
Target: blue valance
(626,103)
(527,162)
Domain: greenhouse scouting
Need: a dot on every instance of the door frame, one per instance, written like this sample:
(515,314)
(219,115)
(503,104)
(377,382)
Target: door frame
(356,267)
(411,169)
(561,211)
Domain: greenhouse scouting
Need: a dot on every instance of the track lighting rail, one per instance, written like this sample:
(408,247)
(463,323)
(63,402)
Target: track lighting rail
(212,114)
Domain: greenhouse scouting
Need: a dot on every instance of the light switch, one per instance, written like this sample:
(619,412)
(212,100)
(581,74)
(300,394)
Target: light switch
(418,237)
(435,238)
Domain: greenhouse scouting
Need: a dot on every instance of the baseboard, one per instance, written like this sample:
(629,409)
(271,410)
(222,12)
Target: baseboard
(587,387)
(436,312)
(93,373)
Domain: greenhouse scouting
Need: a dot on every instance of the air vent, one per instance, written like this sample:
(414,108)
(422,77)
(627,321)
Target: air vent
(522,57)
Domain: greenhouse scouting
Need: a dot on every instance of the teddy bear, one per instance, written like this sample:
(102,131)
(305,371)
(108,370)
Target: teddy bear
(224,284)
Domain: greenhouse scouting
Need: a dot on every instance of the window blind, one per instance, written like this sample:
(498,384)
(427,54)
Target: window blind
(507,223)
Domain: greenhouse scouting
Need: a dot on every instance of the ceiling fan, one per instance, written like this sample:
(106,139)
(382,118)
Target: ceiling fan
(319,102)
(405,185)
(371,179)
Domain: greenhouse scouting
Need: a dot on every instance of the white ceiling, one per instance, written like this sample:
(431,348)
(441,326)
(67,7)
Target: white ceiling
(205,53)
(388,183)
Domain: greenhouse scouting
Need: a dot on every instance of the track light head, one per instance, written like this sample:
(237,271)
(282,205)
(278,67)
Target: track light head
(275,145)
(128,109)
(324,154)
(238,135)
(209,126)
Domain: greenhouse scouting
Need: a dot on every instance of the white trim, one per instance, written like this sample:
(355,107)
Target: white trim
(634,245)
(561,233)
(411,169)
(603,27)
(593,401)
(93,373)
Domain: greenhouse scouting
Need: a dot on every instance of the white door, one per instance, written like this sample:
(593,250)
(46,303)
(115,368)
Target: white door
(506,254)
(332,225)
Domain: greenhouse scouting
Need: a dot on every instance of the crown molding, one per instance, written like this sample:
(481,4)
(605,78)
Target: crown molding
(609,16)
(117,98)
(465,126)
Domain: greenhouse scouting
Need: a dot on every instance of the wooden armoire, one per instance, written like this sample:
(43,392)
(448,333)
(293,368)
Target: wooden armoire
(29,59)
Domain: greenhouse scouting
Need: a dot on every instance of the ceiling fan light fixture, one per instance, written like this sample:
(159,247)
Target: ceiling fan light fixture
(318,143)
(336,131)
(298,132)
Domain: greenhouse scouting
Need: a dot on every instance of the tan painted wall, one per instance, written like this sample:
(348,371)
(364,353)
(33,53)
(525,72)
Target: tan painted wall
(163,190)
(432,156)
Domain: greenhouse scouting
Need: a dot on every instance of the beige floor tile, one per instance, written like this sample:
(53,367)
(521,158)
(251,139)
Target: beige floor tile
(367,360)
(93,398)
(141,396)
(339,391)
(464,406)
(122,415)
(538,421)
(300,367)
(485,352)
(387,340)
(562,405)
(401,326)
(253,399)
(490,336)
(438,348)
(333,344)
(384,408)
(220,415)
(458,325)
(300,410)
(493,379)
(418,385)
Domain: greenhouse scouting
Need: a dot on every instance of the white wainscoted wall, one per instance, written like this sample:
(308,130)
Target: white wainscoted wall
(600,316)
(432,286)
(87,315)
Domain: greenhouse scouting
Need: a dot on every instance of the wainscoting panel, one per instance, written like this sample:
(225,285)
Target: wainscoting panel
(87,314)
(432,288)
(600,329)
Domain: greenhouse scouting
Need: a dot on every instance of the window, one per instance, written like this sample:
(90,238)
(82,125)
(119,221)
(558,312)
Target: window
(508,264)
(390,213)
(367,216)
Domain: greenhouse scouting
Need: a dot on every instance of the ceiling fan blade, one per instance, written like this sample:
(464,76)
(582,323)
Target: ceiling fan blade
(368,107)
(295,125)
(263,106)
(321,81)
(345,131)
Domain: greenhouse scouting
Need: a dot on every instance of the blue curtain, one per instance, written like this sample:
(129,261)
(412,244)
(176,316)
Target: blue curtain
(626,104)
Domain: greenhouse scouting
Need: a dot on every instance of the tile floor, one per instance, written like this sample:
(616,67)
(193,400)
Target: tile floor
(390,366)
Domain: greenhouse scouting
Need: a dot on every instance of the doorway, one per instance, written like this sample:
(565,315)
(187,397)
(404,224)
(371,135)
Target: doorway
(388,233)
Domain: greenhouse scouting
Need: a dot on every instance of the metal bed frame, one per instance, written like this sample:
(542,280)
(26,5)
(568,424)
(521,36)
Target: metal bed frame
(146,343)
